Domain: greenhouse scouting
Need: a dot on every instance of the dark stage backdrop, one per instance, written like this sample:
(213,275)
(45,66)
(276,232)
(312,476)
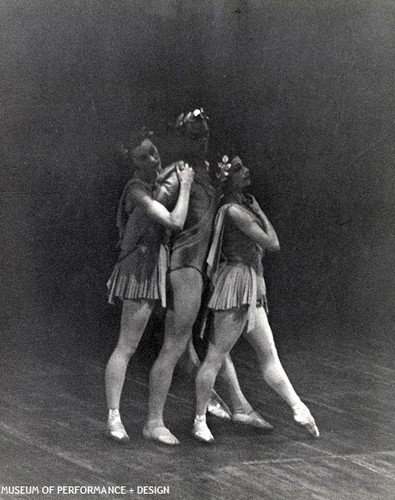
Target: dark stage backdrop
(302,89)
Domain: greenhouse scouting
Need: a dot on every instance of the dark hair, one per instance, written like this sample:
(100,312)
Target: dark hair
(137,137)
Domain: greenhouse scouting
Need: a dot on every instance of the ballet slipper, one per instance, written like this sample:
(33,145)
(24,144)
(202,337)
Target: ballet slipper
(217,407)
(253,418)
(305,419)
(160,433)
(116,431)
(201,432)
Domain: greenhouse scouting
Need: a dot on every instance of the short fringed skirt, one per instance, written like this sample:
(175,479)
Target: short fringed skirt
(141,274)
(237,284)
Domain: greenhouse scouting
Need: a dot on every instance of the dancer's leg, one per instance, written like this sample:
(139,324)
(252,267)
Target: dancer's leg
(261,339)
(228,326)
(228,376)
(229,383)
(135,316)
(186,286)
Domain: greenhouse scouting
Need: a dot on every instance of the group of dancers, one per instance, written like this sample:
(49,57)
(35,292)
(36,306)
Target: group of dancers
(176,232)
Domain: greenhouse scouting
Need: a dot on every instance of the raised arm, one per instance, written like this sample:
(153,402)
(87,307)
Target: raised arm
(265,236)
(168,185)
(175,219)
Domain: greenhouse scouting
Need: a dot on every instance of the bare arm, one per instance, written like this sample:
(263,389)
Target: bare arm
(265,236)
(175,219)
(168,185)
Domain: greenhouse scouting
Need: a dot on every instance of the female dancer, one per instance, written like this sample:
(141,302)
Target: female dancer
(139,275)
(242,232)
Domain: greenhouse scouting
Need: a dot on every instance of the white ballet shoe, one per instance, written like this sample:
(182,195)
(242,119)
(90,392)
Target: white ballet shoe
(304,418)
(217,407)
(201,432)
(161,434)
(254,419)
(116,431)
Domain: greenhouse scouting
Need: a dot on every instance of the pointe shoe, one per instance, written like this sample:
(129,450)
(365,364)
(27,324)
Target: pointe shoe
(116,431)
(161,434)
(304,418)
(201,432)
(254,419)
(217,407)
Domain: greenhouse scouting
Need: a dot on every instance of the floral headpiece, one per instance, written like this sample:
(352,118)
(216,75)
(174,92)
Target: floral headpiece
(191,117)
(224,167)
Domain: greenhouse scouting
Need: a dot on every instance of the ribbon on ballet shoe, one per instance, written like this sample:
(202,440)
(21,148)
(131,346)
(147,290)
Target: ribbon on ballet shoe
(214,408)
(201,432)
(116,431)
(217,407)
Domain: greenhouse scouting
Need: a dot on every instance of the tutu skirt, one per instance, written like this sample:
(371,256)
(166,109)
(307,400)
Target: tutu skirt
(141,274)
(237,284)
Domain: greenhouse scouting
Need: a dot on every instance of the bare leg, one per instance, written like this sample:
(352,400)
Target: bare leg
(229,383)
(228,377)
(187,285)
(261,339)
(228,326)
(190,363)
(135,316)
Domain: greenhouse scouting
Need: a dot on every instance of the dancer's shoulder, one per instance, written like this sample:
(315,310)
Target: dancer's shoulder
(238,214)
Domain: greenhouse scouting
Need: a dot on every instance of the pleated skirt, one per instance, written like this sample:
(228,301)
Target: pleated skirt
(234,284)
(140,275)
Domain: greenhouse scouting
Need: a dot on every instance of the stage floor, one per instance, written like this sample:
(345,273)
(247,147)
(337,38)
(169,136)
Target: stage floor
(53,419)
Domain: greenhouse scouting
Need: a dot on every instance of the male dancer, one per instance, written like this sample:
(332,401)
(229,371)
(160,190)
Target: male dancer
(188,255)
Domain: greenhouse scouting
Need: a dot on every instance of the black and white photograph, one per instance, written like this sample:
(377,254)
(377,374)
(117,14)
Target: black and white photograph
(198,249)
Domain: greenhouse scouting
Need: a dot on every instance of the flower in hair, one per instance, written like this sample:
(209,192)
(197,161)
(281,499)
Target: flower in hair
(224,167)
(191,117)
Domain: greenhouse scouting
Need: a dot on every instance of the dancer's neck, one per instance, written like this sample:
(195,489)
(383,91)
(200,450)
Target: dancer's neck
(234,197)
(145,176)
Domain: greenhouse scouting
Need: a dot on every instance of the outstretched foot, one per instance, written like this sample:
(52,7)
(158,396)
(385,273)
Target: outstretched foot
(217,407)
(304,418)
(159,433)
(201,431)
(116,431)
(253,418)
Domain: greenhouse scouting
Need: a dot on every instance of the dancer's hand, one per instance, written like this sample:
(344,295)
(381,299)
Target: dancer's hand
(185,173)
(253,204)
(181,164)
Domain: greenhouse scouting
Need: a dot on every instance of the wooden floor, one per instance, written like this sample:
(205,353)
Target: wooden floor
(53,418)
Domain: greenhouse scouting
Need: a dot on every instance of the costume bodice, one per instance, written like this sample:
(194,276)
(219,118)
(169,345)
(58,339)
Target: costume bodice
(201,199)
(136,227)
(236,245)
